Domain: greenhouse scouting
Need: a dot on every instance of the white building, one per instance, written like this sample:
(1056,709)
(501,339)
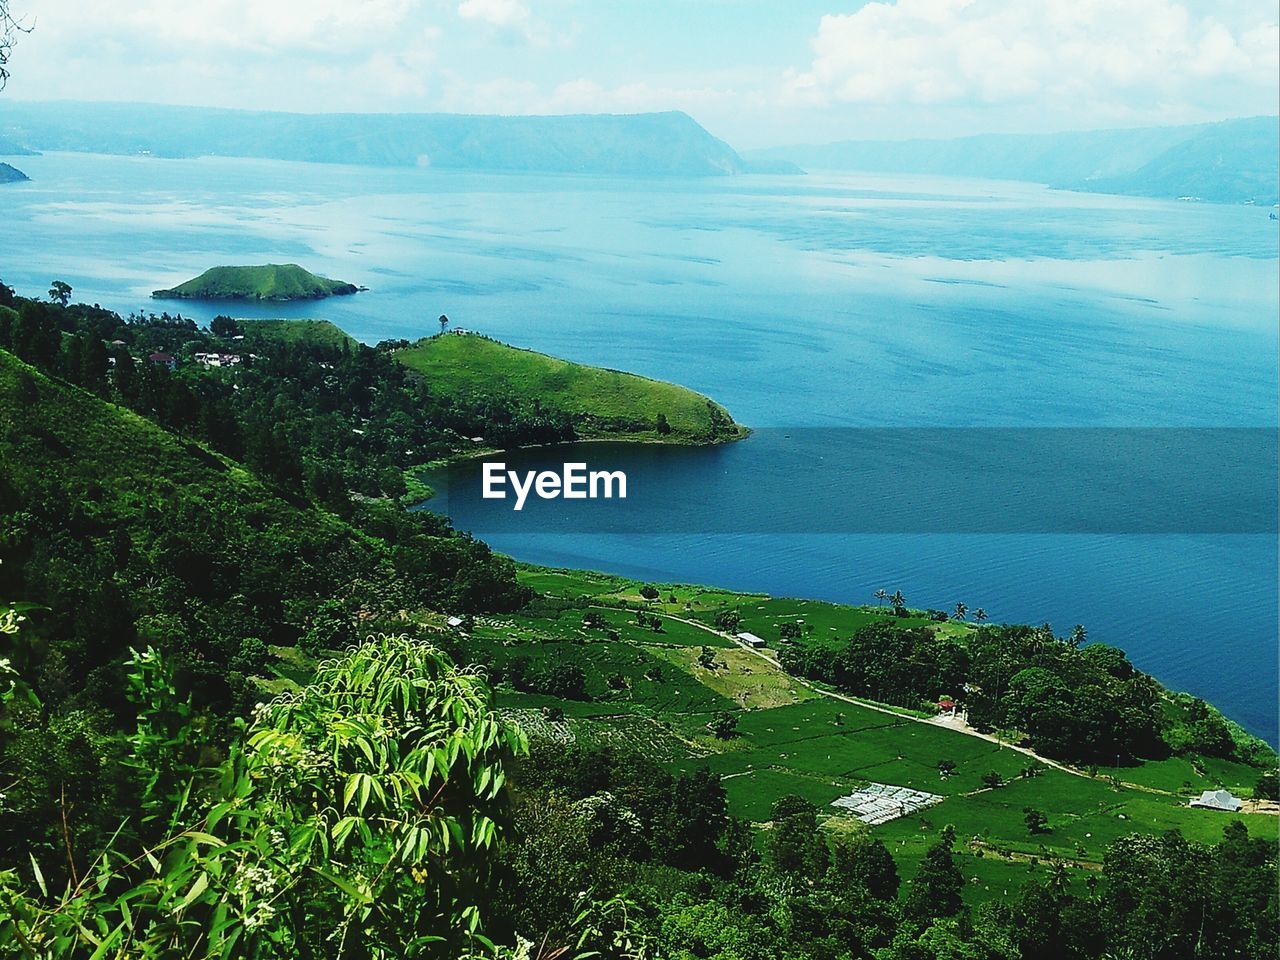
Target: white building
(751,640)
(1217,800)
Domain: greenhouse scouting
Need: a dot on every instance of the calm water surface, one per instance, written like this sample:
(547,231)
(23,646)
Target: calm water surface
(819,301)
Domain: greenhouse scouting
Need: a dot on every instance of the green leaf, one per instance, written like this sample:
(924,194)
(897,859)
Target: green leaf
(35,868)
(197,888)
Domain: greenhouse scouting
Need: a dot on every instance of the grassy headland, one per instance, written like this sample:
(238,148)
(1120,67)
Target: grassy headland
(272,281)
(601,403)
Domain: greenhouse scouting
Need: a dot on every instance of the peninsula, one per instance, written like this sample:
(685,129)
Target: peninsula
(273,282)
(599,403)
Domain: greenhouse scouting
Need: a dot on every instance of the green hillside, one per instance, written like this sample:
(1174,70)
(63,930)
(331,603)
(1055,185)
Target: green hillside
(272,281)
(602,403)
(129,533)
(316,333)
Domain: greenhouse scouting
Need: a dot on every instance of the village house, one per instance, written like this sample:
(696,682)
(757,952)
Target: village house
(165,360)
(217,359)
(1217,800)
(751,640)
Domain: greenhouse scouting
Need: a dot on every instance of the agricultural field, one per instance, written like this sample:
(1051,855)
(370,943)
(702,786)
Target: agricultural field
(792,738)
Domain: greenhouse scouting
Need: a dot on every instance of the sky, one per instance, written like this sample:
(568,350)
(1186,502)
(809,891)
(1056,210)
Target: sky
(754,72)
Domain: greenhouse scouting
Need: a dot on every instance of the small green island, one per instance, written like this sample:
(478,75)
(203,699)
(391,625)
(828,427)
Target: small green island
(275,282)
(599,403)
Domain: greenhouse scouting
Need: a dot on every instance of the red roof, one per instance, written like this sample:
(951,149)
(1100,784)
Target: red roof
(946,703)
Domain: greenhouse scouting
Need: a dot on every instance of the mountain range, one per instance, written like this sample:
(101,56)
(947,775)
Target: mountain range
(645,144)
(1232,161)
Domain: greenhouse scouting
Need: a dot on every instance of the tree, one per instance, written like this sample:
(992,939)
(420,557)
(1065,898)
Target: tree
(724,725)
(789,631)
(979,614)
(1035,820)
(1078,636)
(861,862)
(9,29)
(946,768)
(795,845)
(1268,786)
(662,425)
(962,611)
(880,596)
(649,592)
(898,602)
(60,292)
(935,889)
(444,323)
(225,327)
(728,621)
(992,780)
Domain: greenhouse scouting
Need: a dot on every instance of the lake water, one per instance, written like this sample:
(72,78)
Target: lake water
(802,304)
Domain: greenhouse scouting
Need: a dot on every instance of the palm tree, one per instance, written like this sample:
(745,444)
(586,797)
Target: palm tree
(898,601)
(1078,635)
(962,610)
(880,596)
(979,614)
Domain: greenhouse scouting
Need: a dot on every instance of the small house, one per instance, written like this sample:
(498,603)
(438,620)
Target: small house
(946,705)
(454,621)
(1217,800)
(163,359)
(752,641)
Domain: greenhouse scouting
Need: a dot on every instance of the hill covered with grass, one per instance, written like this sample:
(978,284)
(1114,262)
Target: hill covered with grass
(271,281)
(602,403)
(320,333)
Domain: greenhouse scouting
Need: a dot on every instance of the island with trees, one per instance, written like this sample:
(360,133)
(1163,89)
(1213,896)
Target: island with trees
(273,282)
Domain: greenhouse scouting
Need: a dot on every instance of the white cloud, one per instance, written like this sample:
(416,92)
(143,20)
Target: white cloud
(991,51)
(498,13)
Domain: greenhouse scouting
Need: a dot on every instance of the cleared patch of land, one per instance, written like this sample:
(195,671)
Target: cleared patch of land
(737,675)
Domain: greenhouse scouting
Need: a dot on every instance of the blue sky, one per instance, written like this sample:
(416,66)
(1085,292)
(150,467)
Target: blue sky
(753,72)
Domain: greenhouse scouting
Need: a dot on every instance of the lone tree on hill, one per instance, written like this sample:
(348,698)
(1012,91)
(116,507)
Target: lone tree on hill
(880,596)
(444,322)
(962,610)
(1036,821)
(979,614)
(60,292)
(724,726)
(898,601)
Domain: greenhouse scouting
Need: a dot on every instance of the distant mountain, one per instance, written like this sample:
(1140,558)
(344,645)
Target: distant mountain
(272,281)
(10,174)
(11,148)
(1234,160)
(662,144)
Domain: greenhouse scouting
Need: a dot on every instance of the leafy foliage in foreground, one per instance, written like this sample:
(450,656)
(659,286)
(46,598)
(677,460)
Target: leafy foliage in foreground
(357,817)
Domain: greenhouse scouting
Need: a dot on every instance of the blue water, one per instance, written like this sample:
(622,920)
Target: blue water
(819,301)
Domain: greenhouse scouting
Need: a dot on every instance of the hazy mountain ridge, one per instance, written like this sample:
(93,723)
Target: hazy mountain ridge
(11,174)
(1234,160)
(661,144)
